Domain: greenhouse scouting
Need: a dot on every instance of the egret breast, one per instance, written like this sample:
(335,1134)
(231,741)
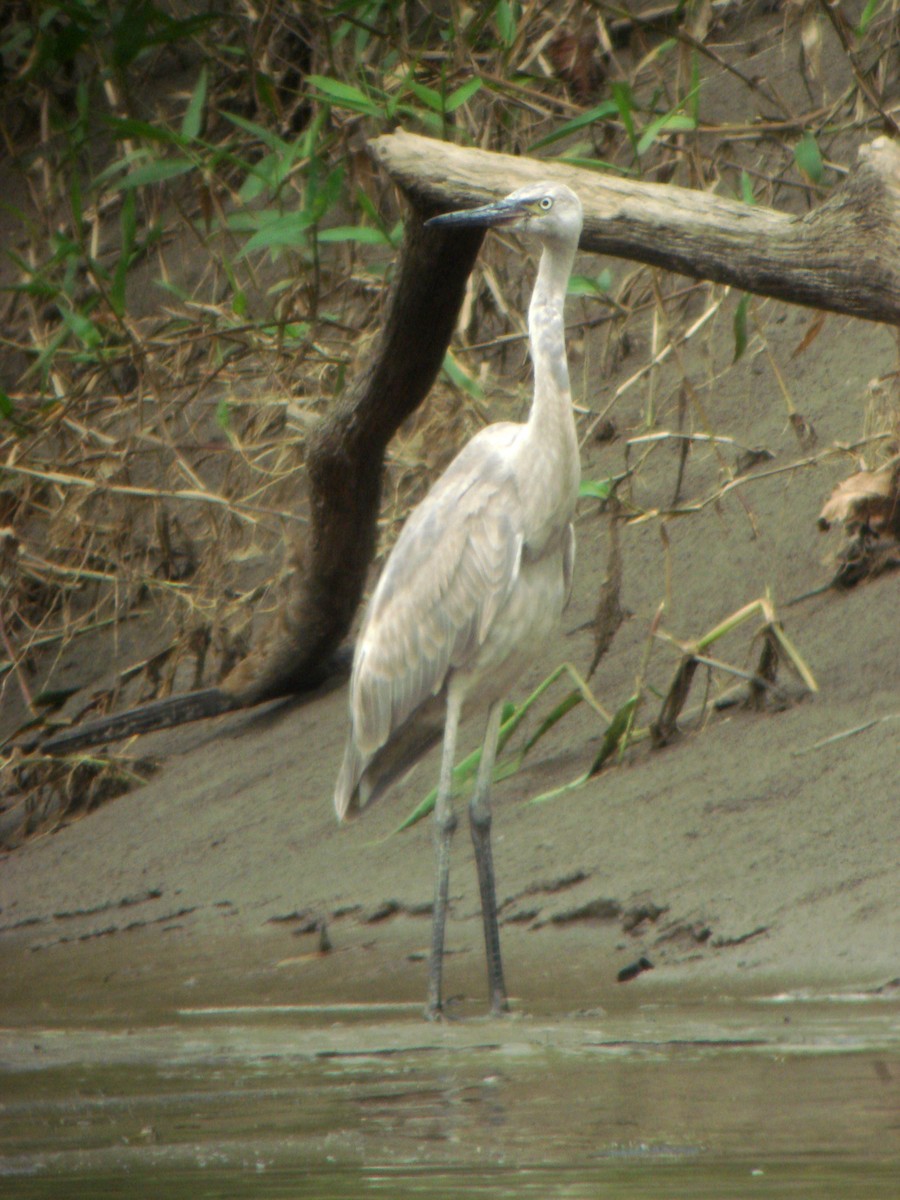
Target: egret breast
(530,615)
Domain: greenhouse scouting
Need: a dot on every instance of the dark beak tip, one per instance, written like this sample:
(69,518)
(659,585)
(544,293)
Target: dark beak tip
(482,217)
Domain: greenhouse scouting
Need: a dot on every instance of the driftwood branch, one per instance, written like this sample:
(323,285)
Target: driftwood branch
(843,256)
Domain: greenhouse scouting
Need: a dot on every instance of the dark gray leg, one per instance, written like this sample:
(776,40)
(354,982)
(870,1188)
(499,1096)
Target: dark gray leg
(480,825)
(444,825)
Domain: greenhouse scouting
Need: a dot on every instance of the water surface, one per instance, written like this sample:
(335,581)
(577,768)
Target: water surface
(782,1097)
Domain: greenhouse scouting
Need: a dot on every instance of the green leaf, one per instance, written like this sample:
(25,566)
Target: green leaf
(295,331)
(747,188)
(625,107)
(808,157)
(265,90)
(345,95)
(432,121)
(128,221)
(585,285)
(455,373)
(465,770)
(740,327)
(193,117)
(364,234)
(155,172)
(323,196)
(607,109)
(866,16)
(594,164)
(693,98)
(556,715)
(675,122)
(8,413)
(616,730)
(82,327)
(505,21)
(288,229)
(129,127)
(596,489)
(434,100)
(369,210)
(462,95)
(266,136)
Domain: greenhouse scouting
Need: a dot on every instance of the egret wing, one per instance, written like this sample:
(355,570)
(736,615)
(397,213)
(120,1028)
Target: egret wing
(447,577)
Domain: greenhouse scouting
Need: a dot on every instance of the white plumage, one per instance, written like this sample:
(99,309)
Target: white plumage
(476,581)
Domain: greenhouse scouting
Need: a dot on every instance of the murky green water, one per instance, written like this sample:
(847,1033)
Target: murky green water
(730,1099)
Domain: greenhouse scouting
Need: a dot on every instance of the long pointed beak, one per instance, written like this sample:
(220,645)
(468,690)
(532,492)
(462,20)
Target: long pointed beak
(498,213)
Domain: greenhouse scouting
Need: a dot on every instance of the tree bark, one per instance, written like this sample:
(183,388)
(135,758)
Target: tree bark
(843,256)
(345,459)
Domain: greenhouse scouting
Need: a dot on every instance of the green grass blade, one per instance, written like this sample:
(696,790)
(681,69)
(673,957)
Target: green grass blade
(155,172)
(554,793)
(467,768)
(345,95)
(363,234)
(461,378)
(268,138)
(602,111)
(128,222)
(625,106)
(193,117)
(462,95)
(615,732)
(279,231)
(428,96)
(565,706)
(672,122)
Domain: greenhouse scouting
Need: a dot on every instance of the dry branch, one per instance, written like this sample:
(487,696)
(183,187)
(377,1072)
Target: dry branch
(843,256)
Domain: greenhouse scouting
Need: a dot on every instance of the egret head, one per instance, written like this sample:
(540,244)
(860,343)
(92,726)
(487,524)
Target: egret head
(549,211)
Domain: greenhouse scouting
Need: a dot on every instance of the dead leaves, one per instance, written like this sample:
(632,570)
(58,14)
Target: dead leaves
(868,500)
(867,504)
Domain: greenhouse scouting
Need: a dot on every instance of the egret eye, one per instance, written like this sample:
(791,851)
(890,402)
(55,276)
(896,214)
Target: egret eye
(546,203)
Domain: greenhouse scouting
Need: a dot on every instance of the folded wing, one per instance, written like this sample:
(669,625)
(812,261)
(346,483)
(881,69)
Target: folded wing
(448,576)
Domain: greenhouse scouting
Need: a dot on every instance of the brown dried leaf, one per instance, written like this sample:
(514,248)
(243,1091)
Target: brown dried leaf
(573,59)
(815,328)
(868,499)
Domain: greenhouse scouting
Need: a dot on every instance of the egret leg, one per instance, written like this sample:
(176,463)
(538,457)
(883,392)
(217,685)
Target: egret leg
(480,826)
(444,827)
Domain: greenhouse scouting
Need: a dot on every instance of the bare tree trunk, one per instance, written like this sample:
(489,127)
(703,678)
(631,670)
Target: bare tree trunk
(344,464)
(843,256)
